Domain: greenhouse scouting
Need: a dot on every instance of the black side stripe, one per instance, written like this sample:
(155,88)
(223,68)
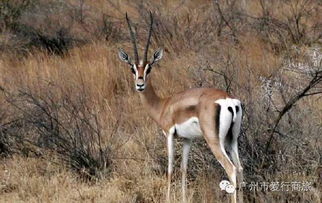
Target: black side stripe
(217,118)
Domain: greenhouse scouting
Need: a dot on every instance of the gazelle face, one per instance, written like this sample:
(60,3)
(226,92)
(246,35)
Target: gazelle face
(140,71)
(140,74)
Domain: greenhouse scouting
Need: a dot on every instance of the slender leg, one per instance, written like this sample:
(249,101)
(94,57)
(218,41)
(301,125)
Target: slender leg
(234,144)
(170,162)
(225,162)
(235,156)
(215,137)
(184,166)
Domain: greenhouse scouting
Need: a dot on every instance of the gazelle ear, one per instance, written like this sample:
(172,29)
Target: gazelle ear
(124,57)
(157,56)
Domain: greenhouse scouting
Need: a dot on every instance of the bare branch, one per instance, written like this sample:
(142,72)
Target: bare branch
(317,78)
(223,18)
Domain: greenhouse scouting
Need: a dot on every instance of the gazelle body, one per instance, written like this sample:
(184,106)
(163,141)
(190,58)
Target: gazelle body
(201,112)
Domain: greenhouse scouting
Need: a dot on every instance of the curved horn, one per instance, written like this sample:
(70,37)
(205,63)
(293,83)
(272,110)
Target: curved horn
(148,42)
(136,54)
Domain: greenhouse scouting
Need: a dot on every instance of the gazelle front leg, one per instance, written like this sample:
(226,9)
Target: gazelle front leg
(170,145)
(184,165)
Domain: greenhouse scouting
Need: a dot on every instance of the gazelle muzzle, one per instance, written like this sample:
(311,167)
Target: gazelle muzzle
(140,84)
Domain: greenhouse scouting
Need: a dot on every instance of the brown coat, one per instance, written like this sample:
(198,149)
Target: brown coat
(180,107)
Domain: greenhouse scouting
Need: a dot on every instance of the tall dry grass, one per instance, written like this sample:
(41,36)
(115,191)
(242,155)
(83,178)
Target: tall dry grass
(86,93)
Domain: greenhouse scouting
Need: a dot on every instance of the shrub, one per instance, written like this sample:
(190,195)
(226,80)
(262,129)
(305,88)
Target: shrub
(67,127)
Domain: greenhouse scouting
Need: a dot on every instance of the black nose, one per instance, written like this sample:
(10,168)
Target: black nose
(140,85)
(140,78)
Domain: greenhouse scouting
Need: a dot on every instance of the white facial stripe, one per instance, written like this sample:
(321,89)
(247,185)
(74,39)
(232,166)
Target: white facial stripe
(145,70)
(136,72)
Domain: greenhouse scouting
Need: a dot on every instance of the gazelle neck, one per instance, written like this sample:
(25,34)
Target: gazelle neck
(151,101)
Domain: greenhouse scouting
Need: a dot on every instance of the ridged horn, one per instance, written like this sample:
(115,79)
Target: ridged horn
(145,59)
(133,38)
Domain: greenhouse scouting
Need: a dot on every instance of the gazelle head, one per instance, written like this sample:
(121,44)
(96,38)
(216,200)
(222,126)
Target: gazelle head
(140,68)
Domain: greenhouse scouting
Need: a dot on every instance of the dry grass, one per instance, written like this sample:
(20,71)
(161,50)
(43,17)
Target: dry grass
(195,55)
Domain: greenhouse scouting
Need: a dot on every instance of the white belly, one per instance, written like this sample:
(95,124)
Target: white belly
(189,129)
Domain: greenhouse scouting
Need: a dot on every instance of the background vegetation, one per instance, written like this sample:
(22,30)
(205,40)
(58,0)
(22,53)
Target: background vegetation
(72,128)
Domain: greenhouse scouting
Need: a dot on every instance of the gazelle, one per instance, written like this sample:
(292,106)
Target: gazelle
(200,112)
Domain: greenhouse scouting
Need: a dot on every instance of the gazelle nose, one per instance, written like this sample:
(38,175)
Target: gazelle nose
(140,87)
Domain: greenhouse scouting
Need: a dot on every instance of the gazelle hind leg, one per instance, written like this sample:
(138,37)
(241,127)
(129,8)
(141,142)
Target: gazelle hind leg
(215,138)
(235,158)
(234,151)
(234,144)
(222,157)
(236,161)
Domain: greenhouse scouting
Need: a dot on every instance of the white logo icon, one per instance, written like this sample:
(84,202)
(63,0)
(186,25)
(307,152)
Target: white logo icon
(225,185)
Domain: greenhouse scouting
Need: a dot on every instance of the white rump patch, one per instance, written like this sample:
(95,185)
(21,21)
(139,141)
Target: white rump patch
(226,118)
(228,102)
